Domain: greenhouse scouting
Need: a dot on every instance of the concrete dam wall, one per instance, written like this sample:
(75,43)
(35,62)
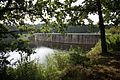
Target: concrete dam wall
(86,39)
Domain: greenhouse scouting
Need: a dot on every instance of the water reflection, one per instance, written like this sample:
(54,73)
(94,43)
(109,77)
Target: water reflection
(40,55)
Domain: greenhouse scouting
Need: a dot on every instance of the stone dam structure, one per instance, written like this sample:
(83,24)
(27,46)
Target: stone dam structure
(83,40)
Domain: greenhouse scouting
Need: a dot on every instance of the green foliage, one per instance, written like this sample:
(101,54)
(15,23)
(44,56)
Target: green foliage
(95,51)
(26,29)
(113,30)
(34,71)
(111,11)
(59,59)
(11,73)
(13,12)
(78,56)
(113,42)
(3,28)
(10,41)
(55,64)
(26,71)
(46,29)
(55,69)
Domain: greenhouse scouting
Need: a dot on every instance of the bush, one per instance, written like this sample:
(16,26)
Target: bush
(113,42)
(58,65)
(78,56)
(60,59)
(26,71)
(55,64)
(95,51)
(113,30)
(11,73)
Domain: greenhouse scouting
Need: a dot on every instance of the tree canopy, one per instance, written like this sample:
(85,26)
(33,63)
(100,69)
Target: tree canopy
(12,13)
(59,13)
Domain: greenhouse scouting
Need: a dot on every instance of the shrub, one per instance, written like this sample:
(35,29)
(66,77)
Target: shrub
(113,30)
(78,56)
(113,42)
(11,73)
(26,71)
(55,64)
(60,59)
(95,51)
(57,67)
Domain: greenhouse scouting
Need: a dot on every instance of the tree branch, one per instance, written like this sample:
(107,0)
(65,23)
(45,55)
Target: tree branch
(3,10)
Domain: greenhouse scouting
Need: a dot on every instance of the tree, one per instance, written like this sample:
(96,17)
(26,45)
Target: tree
(49,9)
(102,28)
(15,11)
(77,14)
(12,13)
(109,8)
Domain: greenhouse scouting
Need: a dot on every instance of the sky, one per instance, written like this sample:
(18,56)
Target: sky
(93,17)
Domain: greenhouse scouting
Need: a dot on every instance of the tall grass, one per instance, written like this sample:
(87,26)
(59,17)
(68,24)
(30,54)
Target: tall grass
(56,66)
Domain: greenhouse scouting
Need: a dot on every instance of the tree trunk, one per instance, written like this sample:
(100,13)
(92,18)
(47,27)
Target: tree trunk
(102,28)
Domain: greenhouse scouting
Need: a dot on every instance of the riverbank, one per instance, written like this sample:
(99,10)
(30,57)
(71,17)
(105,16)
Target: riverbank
(102,68)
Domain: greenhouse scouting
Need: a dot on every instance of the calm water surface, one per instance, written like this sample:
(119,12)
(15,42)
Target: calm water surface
(40,55)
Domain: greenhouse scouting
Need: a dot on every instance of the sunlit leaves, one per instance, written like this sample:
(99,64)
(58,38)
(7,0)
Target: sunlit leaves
(3,28)
(20,1)
(46,28)
(111,10)
(26,29)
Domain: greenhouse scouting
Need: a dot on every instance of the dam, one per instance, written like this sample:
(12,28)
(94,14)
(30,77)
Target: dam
(83,40)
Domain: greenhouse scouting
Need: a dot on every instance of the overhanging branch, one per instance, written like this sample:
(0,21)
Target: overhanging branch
(3,10)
